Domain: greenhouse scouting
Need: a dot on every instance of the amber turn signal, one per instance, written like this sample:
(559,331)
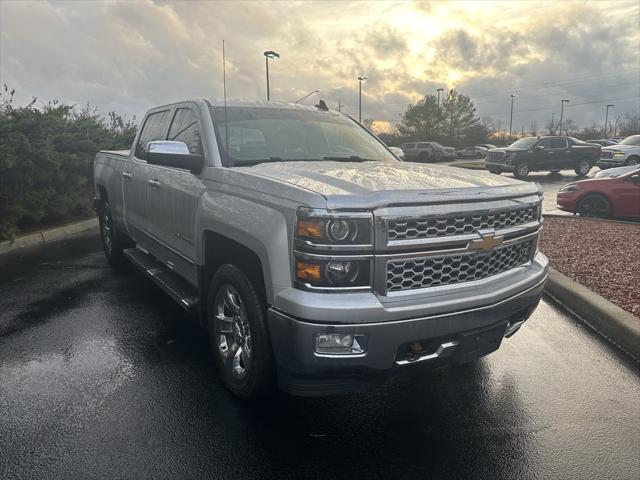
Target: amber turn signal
(311,228)
(308,271)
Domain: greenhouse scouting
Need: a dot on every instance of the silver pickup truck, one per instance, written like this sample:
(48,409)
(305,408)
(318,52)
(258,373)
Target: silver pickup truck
(312,256)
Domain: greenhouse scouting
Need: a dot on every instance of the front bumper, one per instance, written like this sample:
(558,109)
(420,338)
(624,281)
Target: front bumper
(611,162)
(499,166)
(457,335)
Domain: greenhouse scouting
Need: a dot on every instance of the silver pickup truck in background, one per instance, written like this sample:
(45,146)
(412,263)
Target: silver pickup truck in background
(312,256)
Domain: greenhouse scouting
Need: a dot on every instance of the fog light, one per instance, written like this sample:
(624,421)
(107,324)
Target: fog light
(340,344)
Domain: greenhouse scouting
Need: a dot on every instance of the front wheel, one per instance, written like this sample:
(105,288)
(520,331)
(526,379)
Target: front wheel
(521,170)
(583,168)
(236,317)
(594,205)
(633,160)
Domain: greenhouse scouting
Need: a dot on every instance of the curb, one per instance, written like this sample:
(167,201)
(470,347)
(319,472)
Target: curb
(469,165)
(615,324)
(35,241)
(592,219)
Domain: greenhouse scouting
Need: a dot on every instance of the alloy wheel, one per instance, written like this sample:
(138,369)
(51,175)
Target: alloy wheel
(234,334)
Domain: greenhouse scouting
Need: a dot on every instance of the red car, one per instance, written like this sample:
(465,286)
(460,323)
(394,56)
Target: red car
(613,196)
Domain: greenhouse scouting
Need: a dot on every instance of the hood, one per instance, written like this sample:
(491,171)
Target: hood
(372,184)
(620,148)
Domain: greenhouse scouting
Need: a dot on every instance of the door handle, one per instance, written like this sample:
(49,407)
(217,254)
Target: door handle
(126,174)
(154,183)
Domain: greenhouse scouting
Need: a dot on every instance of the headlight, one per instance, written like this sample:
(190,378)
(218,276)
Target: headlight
(333,273)
(618,154)
(324,228)
(333,250)
(570,188)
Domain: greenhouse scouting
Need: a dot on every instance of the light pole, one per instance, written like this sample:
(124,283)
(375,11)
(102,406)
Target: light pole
(563,101)
(360,79)
(513,95)
(306,96)
(606,119)
(267,55)
(439,90)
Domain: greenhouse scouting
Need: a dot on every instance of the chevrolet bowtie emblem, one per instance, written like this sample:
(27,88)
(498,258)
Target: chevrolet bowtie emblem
(488,242)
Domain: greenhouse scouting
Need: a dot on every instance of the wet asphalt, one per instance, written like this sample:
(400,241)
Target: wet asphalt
(102,376)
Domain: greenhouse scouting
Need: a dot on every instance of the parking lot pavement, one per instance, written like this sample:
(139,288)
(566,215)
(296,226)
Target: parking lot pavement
(101,375)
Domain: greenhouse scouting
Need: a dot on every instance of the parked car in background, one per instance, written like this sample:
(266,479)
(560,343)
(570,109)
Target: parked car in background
(615,171)
(488,146)
(422,151)
(397,151)
(552,153)
(606,196)
(448,153)
(627,152)
(603,142)
(472,152)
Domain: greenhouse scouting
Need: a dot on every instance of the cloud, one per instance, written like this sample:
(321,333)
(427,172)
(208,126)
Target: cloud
(128,56)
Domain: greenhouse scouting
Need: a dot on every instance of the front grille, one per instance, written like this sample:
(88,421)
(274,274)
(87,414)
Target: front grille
(411,229)
(605,154)
(408,274)
(495,157)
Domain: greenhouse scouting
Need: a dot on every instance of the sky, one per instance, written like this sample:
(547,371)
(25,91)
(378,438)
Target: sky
(130,56)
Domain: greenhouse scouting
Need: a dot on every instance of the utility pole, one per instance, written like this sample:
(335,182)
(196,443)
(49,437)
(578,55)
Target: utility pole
(606,119)
(522,134)
(360,79)
(339,106)
(562,102)
(513,95)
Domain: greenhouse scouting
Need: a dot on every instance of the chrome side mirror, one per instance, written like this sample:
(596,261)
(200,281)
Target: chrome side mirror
(173,154)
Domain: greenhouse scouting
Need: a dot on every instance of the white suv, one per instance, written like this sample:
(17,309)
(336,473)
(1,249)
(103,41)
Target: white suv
(627,152)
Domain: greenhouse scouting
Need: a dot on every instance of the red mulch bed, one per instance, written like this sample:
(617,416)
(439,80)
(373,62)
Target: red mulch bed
(602,255)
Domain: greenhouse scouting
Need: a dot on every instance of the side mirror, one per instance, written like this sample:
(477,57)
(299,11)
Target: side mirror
(173,154)
(539,147)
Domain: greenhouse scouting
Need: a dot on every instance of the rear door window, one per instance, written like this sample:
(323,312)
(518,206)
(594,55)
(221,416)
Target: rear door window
(154,128)
(557,143)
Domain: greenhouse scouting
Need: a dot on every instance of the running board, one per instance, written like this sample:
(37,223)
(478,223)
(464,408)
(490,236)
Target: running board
(177,288)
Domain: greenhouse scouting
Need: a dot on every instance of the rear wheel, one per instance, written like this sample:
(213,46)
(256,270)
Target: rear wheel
(633,160)
(113,242)
(238,334)
(583,168)
(521,170)
(423,157)
(594,205)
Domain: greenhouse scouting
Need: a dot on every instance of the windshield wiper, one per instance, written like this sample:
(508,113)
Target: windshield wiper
(350,158)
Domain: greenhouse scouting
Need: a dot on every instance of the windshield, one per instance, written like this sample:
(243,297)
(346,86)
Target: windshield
(632,140)
(524,143)
(257,134)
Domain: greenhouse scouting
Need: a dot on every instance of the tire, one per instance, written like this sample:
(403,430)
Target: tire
(583,168)
(495,171)
(594,205)
(633,160)
(554,171)
(521,170)
(236,319)
(423,157)
(113,242)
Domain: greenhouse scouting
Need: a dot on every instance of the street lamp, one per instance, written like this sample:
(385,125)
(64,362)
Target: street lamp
(563,101)
(269,54)
(306,96)
(360,79)
(606,119)
(513,95)
(439,90)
